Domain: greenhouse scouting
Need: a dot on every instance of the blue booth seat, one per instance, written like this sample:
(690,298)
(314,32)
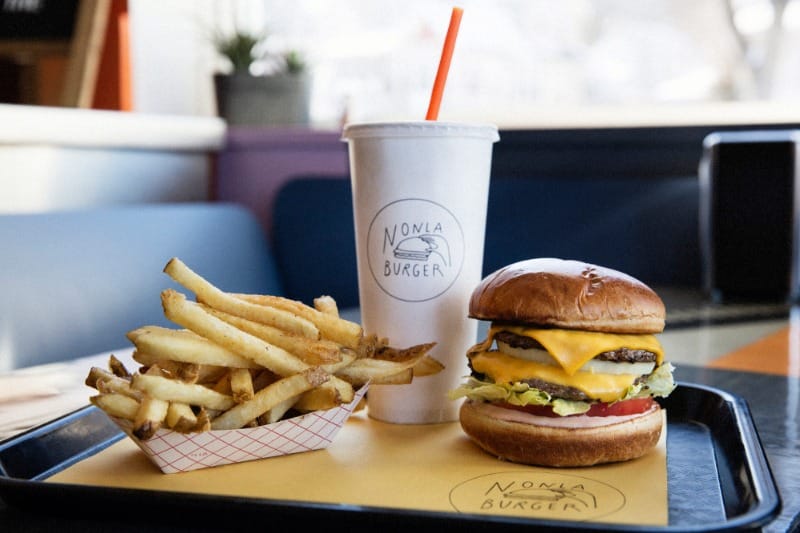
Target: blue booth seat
(73,283)
(645,227)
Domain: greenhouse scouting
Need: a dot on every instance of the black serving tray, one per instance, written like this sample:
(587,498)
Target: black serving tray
(719,480)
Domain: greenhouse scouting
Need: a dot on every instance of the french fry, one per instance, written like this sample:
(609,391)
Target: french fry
(154,370)
(223,384)
(311,351)
(241,385)
(277,412)
(348,357)
(192,316)
(106,382)
(180,417)
(330,394)
(214,297)
(117,367)
(210,373)
(427,366)
(186,346)
(171,390)
(269,397)
(326,304)
(118,385)
(186,372)
(401,378)
(115,404)
(330,326)
(370,345)
(204,373)
(365,370)
(203,421)
(96,374)
(412,354)
(391,363)
(319,398)
(149,417)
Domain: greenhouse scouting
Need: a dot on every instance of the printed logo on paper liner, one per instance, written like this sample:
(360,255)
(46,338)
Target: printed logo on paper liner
(415,249)
(537,494)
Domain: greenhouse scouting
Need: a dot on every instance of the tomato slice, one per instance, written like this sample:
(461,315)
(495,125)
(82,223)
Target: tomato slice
(625,407)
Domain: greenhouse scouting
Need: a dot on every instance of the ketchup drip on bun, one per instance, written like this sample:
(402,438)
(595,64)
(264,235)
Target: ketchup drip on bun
(569,370)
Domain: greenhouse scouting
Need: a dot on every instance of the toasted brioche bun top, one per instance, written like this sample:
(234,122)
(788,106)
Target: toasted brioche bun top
(568,294)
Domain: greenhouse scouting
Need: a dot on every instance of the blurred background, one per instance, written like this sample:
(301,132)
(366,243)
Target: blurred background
(106,102)
(517,62)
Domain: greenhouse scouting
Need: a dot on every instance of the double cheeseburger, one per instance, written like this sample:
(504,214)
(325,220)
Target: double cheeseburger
(568,372)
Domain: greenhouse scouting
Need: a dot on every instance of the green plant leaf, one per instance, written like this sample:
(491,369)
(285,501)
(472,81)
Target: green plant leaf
(239,49)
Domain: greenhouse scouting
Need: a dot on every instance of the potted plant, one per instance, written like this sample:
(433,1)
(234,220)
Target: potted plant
(277,94)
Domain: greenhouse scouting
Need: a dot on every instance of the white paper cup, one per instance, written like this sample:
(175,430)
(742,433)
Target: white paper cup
(420,192)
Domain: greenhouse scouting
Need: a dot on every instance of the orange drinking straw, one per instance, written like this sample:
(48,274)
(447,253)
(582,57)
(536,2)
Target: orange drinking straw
(444,64)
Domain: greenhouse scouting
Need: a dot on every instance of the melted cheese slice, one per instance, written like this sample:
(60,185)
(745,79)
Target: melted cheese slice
(572,348)
(502,368)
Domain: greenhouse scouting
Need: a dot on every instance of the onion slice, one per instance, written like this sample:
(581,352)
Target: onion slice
(594,366)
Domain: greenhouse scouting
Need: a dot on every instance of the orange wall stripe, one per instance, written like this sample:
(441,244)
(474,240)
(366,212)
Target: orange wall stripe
(112,90)
(125,74)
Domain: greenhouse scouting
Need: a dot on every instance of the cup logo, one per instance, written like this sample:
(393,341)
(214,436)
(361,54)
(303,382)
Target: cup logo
(415,249)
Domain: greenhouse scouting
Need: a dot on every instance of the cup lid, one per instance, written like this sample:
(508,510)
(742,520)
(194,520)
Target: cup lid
(421,128)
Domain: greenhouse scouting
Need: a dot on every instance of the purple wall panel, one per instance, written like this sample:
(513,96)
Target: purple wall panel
(256,162)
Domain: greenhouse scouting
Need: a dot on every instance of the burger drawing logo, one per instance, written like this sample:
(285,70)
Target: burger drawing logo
(537,494)
(415,249)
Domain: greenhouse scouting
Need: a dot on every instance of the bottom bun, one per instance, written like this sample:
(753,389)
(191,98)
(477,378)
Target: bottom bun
(561,446)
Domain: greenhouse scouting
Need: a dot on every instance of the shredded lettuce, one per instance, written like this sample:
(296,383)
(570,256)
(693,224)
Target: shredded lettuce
(513,393)
(659,383)
(570,407)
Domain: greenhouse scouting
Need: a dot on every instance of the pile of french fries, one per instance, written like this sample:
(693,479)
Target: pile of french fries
(244,360)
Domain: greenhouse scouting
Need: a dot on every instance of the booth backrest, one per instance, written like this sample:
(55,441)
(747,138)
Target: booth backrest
(73,283)
(646,227)
(313,239)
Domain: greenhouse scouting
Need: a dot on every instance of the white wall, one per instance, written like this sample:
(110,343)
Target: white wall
(171,57)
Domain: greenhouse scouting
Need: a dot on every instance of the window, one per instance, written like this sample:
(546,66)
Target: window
(516,62)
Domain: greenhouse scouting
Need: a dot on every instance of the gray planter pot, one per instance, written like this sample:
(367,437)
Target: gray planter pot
(243,99)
